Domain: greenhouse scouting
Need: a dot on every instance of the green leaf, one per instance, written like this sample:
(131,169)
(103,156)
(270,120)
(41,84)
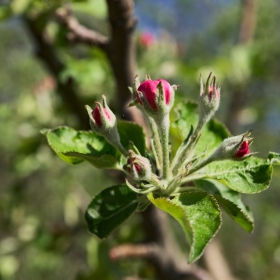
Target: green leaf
(130,131)
(212,134)
(199,215)
(230,201)
(110,208)
(249,176)
(274,158)
(75,147)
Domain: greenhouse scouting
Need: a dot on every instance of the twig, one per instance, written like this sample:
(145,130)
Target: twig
(246,35)
(46,53)
(161,250)
(79,33)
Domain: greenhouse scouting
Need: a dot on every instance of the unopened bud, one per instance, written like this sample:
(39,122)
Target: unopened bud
(104,122)
(236,147)
(157,97)
(102,119)
(209,98)
(138,167)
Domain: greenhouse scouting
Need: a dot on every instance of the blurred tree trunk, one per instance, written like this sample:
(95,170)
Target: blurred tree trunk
(246,35)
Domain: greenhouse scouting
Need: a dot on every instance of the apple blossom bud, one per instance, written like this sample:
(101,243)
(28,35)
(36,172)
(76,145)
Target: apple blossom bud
(102,119)
(147,39)
(209,98)
(236,147)
(97,116)
(243,150)
(138,167)
(156,96)
(104,122)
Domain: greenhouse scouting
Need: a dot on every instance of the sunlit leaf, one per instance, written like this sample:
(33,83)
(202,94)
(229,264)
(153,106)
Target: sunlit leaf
(199,215)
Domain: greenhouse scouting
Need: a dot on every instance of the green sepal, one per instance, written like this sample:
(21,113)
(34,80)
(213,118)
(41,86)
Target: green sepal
(109,209)
(199,215)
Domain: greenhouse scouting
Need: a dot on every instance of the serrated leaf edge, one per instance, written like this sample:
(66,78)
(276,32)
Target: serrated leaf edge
(220,224)
(251,221)
(191,227)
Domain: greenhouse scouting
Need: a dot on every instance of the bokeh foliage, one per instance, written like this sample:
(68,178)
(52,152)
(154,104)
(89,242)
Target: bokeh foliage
(43,232)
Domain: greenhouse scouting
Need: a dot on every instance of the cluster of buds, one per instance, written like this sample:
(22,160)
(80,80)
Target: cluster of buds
(156,98)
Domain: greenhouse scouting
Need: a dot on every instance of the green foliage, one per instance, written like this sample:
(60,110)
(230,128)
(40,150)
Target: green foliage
(250,176)
(26,160)
(230,201)
(199,215)
(212,134)
(75,147)
(110,208)
(197,210)
(129,131)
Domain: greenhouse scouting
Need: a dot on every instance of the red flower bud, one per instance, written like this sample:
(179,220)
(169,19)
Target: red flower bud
(147,39)
(97,117)
(150,92)
(215,92)
(138,167)
(209,98)
(243,150)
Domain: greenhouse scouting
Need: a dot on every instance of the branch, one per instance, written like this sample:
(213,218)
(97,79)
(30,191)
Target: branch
(66,89)
(216,263)
(79,33)
(161,250)
(248,21)
(246,35)
(121,49)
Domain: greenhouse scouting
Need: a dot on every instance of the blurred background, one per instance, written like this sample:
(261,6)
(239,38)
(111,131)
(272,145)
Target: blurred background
(43,234)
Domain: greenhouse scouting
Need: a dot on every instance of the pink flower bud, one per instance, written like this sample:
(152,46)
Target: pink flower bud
(213,92)
(147,39)
(243,150)
(209,98)
(138,167)
(97,116)
(150,91)
(236,147)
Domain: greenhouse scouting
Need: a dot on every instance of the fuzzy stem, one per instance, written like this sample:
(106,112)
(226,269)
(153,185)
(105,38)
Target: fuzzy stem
(185,153)
(164,133)
(201,164)
(193,177)
(119,147)
(157,144)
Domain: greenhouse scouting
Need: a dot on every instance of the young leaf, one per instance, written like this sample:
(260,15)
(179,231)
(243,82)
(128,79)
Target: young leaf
(133,132)
(249,176)
(199,215)
(212,134)
(75,147)
(230,201)
(110,208)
